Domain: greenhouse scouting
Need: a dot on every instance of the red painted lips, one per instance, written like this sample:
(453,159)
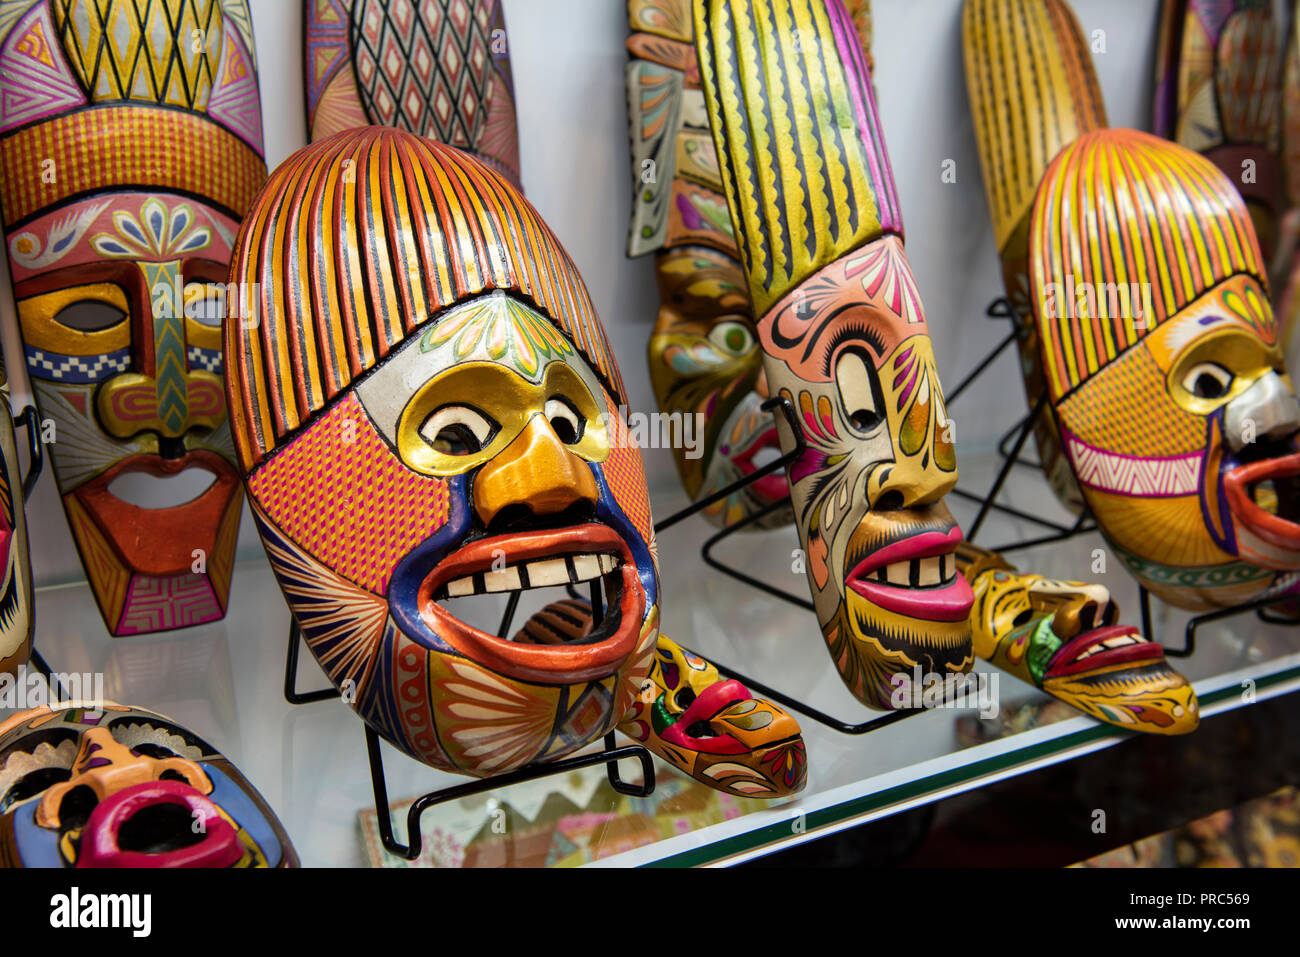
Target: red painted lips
(916,577)
(534,559)
(1276,530)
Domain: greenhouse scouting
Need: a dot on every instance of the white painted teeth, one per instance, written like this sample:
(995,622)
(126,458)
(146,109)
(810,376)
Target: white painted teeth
(551,572)
(918,573)
(1120,641)
(543,573)
(930,572)
(507,579)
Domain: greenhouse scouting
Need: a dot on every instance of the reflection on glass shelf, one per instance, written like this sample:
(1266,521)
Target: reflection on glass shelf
(224,680)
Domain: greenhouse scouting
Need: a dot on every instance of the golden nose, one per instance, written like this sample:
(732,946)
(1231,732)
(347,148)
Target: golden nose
(1082,613)
(536,471)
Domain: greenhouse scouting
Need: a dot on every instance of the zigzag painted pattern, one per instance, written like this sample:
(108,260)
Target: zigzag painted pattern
(1125,475)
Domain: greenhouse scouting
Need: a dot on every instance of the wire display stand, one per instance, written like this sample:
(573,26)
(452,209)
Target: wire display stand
(30,421)
(609,756)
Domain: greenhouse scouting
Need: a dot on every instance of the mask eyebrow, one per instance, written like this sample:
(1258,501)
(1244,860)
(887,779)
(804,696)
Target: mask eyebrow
(857,330)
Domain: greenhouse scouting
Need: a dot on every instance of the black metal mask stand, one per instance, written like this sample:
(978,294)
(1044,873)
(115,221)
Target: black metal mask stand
(1262,607)
(29,419)
(609,757)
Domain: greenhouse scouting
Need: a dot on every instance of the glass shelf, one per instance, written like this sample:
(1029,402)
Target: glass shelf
(225,682)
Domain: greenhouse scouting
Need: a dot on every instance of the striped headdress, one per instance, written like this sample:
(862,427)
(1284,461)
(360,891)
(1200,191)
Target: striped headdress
(803,164)
(1126,208)
(359,239)
(1032,90)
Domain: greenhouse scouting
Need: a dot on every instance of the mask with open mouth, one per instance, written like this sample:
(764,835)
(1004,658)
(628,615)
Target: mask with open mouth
(427,410)
(16,617)
(843,334)
(1062,638)
(1170,389)
(115,786)
(704,355)
(123,182)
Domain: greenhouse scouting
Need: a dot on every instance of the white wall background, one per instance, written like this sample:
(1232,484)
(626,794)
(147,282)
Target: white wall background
(568,59)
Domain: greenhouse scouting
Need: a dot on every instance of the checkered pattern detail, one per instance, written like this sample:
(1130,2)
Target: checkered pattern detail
(208,360)
(57,367)
(338,491)
(625,473)
(124,147)
(1153,426)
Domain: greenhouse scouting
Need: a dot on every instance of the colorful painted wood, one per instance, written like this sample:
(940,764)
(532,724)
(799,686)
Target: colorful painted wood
(125,167)
(124,787)
(709,728)
(843,334)
(1063,638)
(705,362)
(1162,362)
(1219,76)
(447,426)
(17,614)
(437,68)
(1226,87)
(1032,90)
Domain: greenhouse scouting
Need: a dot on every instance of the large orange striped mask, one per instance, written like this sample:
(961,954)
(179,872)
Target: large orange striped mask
(130,146)
(425,407)
(1163,366)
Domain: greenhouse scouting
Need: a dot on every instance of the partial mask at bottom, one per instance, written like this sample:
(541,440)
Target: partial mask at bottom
(123,787)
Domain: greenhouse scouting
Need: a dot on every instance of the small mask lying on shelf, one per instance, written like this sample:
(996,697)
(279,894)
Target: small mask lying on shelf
(117,786)
(426,409)
(709,728)
(124,172)
(1062,637)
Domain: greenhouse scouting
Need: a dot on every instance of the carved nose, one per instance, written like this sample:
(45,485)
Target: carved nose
(909,485)
(536,472)
(1082,614)
(1267,410)
(170,405)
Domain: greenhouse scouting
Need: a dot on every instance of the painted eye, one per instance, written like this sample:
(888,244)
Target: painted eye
(1208,380)
(90,315)
(458,430)
(859,393)
(208,309)
(33,783)
(732,337)
(567,422)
